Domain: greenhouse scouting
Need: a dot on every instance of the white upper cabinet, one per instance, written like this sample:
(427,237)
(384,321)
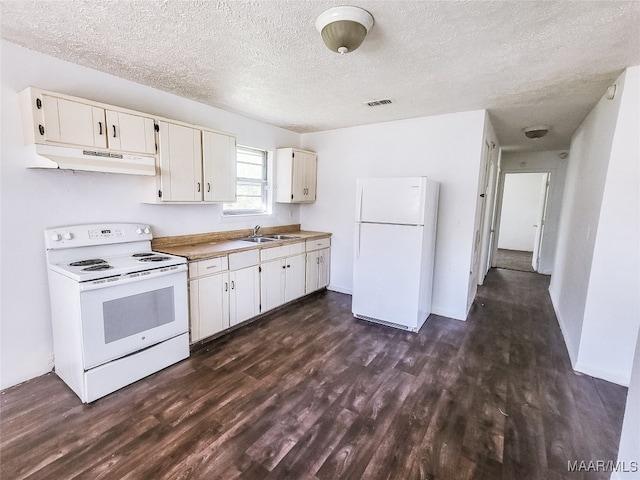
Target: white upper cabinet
(130,133)
(296,174)
(196,166)
(75,123)
(219,167)
(51,118)
(180,175)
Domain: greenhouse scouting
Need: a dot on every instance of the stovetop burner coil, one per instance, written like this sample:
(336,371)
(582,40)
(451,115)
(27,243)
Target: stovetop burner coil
(95,268)
(86,263)
(144,254)
(154,259)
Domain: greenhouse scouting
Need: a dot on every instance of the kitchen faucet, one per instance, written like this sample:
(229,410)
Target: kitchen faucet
(255,230)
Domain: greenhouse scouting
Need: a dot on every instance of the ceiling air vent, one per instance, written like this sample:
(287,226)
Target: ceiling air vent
(377,103)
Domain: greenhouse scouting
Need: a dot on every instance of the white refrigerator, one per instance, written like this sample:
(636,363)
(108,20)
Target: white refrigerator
(394,250)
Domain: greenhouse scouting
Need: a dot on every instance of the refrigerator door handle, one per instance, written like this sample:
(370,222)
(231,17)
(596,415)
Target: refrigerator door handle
(359,205)
(358,227)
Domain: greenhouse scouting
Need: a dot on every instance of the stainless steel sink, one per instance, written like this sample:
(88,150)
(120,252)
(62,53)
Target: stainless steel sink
(282,237)
(258,239)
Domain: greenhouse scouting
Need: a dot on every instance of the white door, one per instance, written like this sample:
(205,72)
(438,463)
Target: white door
(542,213)
(324,267)
(76,123)
(385,284)
(396,200)
(244,294)
(180,163)
(130,133)
(312,271)
(272,280)
(310,175)
(212,310)
(294,277)
(219,165)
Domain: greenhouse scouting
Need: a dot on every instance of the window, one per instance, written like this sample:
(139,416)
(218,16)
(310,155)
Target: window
(251,186)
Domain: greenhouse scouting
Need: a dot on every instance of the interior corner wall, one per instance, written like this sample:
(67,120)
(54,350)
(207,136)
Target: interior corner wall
(612,310)
(446,148)
(592,150)
(35,199)
(544,161)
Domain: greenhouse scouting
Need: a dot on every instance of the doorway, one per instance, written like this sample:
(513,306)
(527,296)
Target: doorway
(522,221)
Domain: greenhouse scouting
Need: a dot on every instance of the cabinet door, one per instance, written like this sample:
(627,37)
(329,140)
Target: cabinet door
(244,294)
(311,274)
(180,163)
(299,176)
(75,123)
(324,267)
(272,280)
(310,175)
(219,165)
(295,277)
(209,299)
(130,133)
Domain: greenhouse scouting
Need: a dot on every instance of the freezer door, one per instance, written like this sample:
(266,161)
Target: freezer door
(396,200)
(386,276)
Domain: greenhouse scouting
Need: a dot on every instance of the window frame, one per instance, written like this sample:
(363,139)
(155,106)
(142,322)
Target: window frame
(263,182)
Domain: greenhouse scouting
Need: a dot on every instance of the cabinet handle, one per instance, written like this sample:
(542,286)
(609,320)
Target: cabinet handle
(284,266)
(41,129)
(99,128)
(198,186)
(288,266)
(233,284)
(226,286)
(114,131)
(208,187)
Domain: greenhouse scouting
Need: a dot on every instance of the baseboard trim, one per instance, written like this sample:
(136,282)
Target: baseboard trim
(336,288)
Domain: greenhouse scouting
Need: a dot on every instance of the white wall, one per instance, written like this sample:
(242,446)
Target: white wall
(595,286)
(612,309)
(446,148)
(32,199)
(545,161)
(520,202)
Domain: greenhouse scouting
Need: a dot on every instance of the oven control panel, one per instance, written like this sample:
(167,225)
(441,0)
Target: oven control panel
(95,234)
(106,233)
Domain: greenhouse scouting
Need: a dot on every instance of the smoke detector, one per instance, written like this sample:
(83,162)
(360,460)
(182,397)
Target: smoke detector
(538,131)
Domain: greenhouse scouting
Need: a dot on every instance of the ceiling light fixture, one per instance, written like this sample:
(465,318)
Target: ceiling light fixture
(343,28)
(536,132)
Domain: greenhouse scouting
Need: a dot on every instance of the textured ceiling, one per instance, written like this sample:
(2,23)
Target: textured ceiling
(527,62)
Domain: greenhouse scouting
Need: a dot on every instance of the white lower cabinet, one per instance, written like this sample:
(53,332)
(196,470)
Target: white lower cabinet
(317,270)
(244,294)
(281,281)
(220,299)
(228,290)
(209,299)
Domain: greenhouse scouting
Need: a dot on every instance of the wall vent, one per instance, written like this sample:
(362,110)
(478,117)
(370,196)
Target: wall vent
(377,103)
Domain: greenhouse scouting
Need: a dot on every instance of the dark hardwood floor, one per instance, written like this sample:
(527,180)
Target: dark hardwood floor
(311,393)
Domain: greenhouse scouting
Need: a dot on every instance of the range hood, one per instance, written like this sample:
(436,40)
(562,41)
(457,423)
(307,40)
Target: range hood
(50,156)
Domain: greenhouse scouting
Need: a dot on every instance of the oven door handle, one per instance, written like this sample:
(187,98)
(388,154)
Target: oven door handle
(131,278)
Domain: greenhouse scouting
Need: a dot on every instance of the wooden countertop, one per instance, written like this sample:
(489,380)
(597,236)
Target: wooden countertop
(217,244)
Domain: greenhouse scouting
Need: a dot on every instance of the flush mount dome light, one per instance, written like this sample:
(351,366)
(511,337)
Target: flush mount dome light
(343,28)
(536,132)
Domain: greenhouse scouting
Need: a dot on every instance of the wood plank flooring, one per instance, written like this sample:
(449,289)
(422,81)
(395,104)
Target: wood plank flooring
(309,393)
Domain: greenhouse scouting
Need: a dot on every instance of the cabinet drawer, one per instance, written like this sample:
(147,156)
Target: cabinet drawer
(281,251)
(318,244)
(244,259)
(208,267)
(272,252)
